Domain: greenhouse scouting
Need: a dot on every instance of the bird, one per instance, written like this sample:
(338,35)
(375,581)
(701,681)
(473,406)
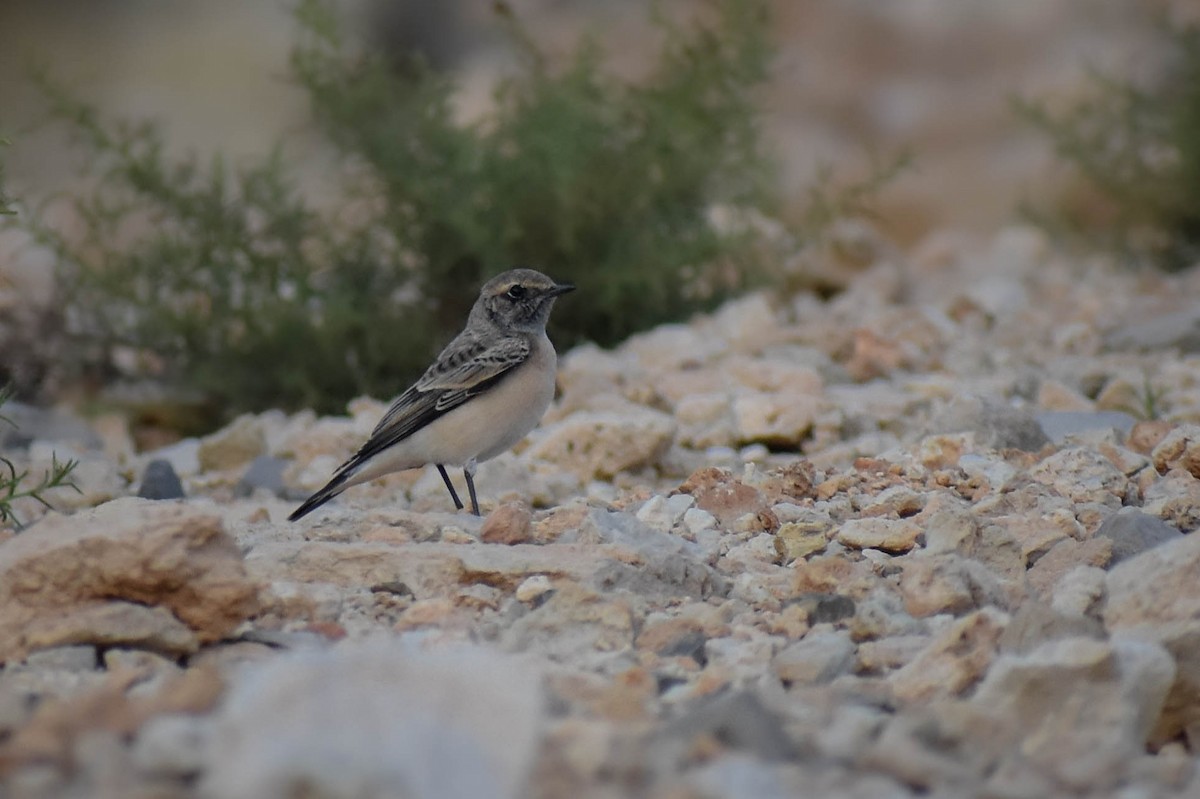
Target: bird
(486,390)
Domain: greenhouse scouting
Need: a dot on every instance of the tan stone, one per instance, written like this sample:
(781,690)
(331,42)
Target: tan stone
(827,574)
(890,535)
(1178,449)
(601,445)
(1156,587)
(1063,557)
(779,420)
(511,523)
(238,444)
(955,659)
(57,578)
(722,495)
(797,540)
(115,623)
(1080,708)
(1147,434)
(948,583)
(1055,396)
(705,420)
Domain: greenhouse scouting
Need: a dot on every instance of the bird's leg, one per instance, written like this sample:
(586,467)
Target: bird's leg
(469,473)
(450,487)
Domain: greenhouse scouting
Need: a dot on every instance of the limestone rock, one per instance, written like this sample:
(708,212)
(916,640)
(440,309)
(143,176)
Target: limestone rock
(955,659)
(600,445)
(663,513)
(67,574)
(778,419)
(1155,587)
(1081,707)
(890,535)
(948,583)
(1174,498)
(1084,475)
(1179,448)
(815,658)
(235,445)
(1065,556)
(377,719)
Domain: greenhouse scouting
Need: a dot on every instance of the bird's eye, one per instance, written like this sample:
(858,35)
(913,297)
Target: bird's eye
(516,293)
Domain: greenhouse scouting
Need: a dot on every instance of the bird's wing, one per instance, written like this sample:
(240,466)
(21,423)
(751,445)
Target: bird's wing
(467,367)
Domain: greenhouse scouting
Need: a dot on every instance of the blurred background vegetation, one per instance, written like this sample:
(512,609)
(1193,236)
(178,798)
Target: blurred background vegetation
(237,206)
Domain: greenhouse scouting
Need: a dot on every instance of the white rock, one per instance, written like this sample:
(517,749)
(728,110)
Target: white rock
(663,513)
(172,745)
(669,347)
(1080,591)
(759,549)
(781,419)
(697,520)
(1084,708)
(376,719)
(531,588)
(706,420)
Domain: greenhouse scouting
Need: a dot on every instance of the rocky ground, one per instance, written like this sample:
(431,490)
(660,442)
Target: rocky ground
(928,538)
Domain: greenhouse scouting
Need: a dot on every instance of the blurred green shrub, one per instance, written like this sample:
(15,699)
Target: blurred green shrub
(1139,147)
(5,207)
(237,287)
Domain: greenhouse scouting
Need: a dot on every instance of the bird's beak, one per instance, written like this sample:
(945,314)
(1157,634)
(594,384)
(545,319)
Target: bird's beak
(560,289)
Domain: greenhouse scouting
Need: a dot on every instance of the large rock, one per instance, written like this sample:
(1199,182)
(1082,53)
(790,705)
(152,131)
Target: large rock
(129,572)
(949,583)
(1181,710)
(1179,329)
(1061,425)
(1133,532)
(816,658)
(1155,587)
(378,719)
(1084,475)
(996,425)
(236,445)
(778,420)
(600,445)
(1081,709)
(1174,498)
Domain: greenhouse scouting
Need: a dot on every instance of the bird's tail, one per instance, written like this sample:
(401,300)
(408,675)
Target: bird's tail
(334,487)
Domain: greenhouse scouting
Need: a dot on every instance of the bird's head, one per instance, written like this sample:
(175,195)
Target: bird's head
(519,299)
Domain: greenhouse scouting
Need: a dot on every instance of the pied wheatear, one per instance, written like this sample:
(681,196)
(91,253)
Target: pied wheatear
(487,389)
